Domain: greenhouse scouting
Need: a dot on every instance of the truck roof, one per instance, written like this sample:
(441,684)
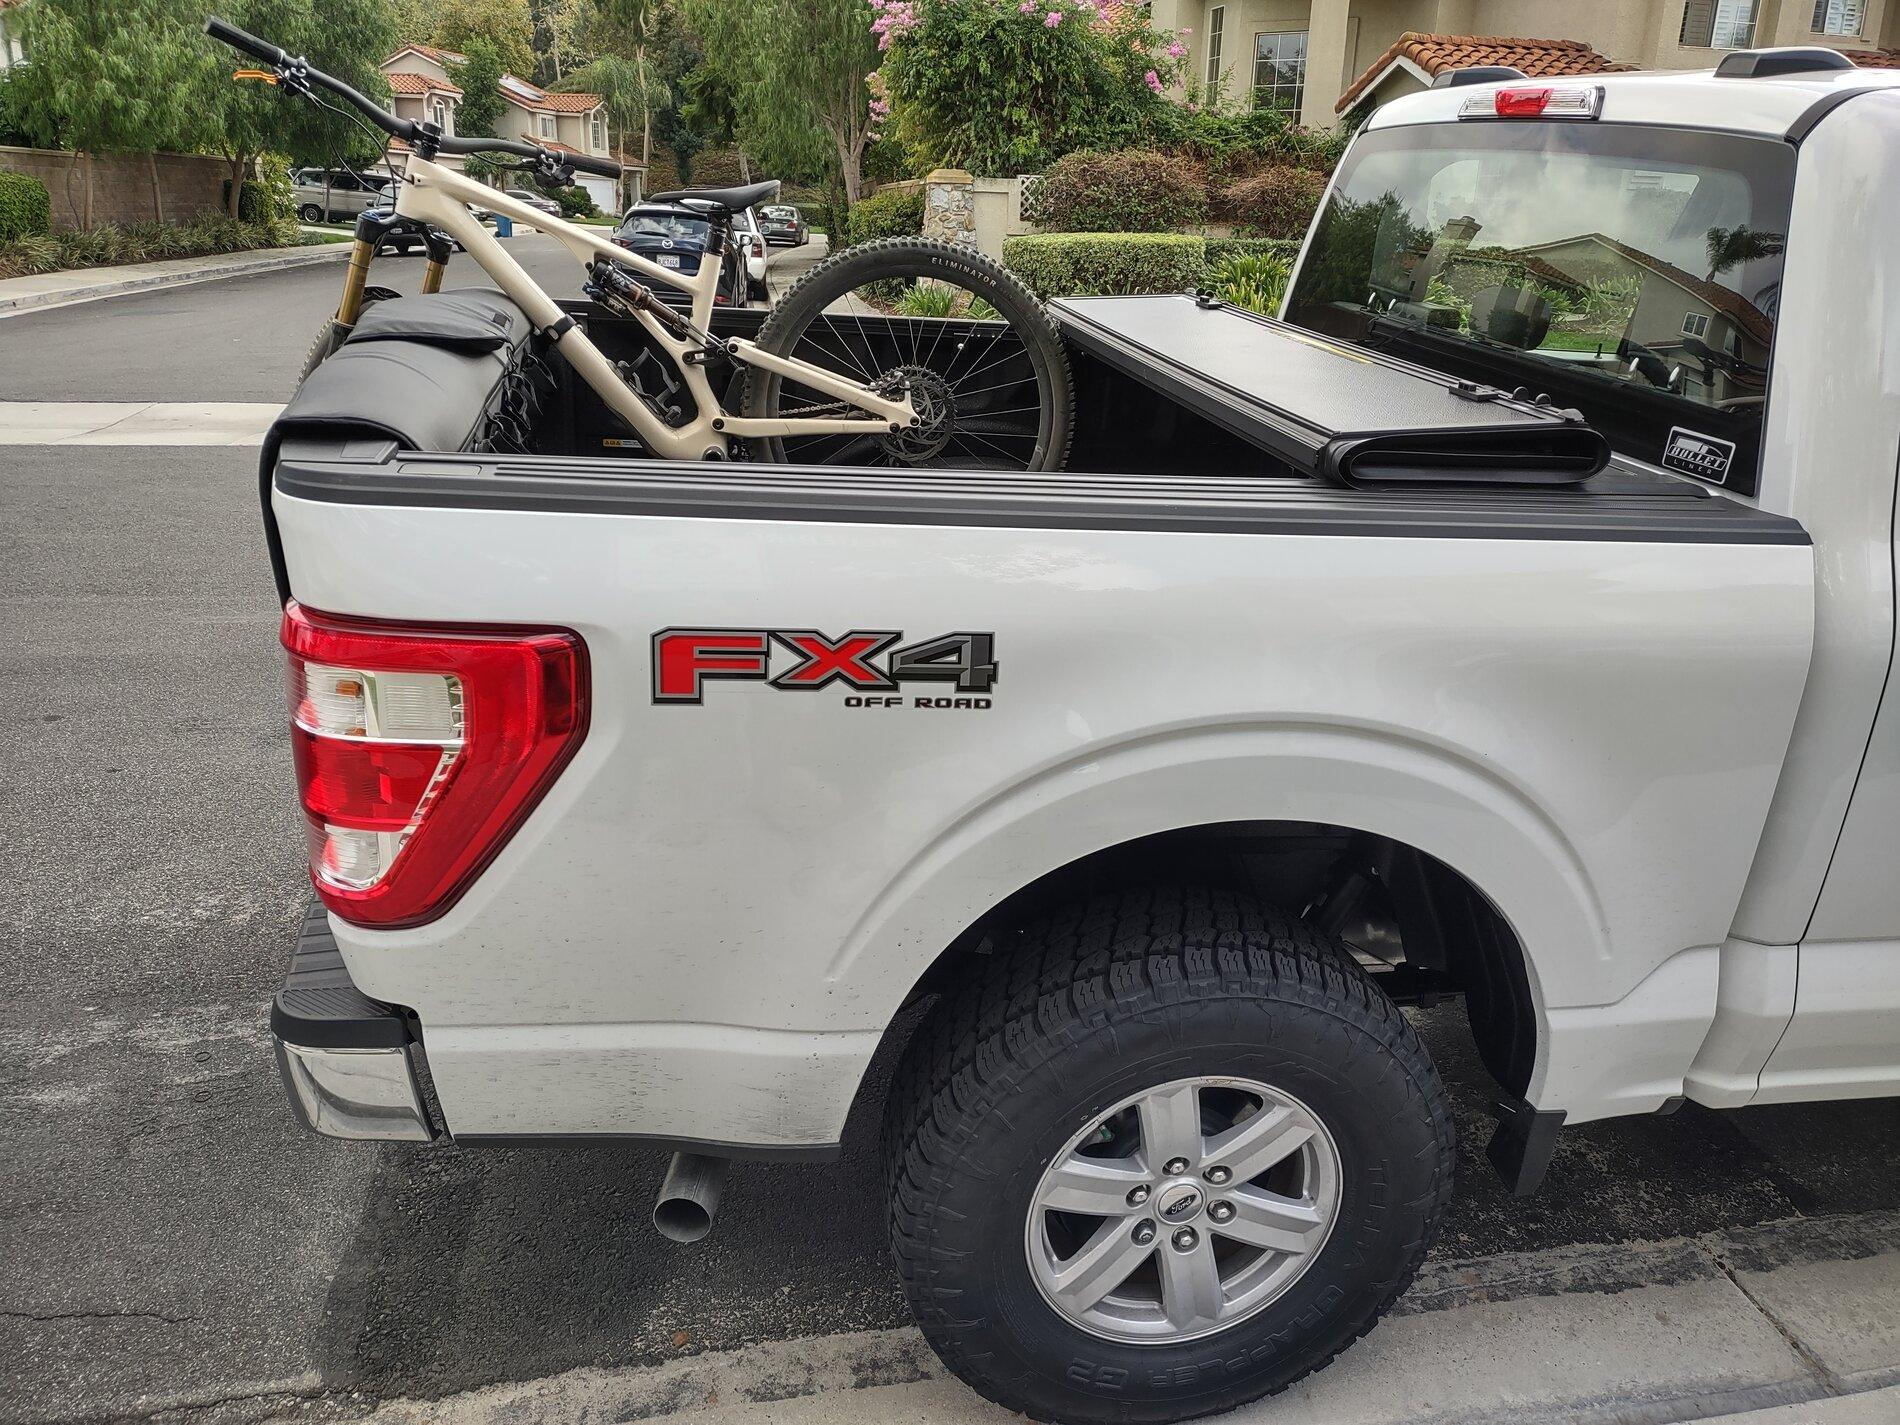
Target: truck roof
(1699,99)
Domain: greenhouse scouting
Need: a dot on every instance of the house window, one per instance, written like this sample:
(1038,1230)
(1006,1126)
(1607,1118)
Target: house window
(1695,324)
(1719,24)
(1279,70)
(599,129)
(1216,22)
(1839,17)
(547,126)
(439,114)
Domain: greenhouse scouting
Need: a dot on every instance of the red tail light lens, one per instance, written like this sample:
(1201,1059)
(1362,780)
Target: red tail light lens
(420,749)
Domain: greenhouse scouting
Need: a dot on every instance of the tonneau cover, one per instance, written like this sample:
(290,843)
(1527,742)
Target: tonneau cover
(1346,414)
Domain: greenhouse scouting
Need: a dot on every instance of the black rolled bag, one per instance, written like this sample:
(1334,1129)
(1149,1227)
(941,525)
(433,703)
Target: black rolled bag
(453,371)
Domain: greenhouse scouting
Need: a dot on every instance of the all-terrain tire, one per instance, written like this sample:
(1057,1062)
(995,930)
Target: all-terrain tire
(1072,1014)
(913,259)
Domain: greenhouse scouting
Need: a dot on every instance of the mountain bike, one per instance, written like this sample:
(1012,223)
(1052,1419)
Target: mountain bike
(902,351)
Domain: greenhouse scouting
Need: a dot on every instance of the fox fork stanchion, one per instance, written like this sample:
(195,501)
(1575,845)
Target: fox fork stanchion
(440,248)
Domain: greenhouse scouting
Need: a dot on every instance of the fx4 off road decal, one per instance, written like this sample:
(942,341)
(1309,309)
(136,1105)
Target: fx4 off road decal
(873,667)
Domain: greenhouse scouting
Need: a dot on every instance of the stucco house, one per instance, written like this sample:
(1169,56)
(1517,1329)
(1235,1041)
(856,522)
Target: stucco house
(1306,56)
(572,123)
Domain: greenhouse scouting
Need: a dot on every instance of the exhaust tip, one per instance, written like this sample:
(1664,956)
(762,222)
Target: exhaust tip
(681,1220)
(689,1197)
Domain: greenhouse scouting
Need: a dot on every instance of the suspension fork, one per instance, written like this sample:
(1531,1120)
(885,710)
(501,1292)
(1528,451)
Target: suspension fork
(441,246)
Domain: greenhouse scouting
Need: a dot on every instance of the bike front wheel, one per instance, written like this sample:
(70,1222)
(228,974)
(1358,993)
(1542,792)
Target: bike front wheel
(979,356)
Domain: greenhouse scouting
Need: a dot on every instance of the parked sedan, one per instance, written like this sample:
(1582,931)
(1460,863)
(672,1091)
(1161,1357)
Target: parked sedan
(784,226)
(537,201)
(674,236)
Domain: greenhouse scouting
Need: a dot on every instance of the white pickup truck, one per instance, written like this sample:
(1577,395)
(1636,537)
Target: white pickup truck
(652,800)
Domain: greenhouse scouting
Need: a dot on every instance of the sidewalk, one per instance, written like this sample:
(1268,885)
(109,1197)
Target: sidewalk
(1790,1323)
(58,289)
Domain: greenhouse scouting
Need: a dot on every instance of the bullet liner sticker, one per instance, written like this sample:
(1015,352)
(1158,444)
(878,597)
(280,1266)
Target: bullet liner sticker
(1703,456)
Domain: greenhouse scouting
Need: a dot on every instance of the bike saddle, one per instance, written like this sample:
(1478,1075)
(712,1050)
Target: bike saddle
(731,199)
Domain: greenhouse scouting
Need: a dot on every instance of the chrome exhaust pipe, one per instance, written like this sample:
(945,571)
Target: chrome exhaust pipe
(689,1197)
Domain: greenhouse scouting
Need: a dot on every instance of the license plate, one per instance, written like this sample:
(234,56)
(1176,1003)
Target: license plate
(669,259)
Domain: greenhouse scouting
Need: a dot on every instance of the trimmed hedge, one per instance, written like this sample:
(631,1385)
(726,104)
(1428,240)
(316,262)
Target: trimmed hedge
(1131,191)
(26,210)
(1105,264)
(899,213)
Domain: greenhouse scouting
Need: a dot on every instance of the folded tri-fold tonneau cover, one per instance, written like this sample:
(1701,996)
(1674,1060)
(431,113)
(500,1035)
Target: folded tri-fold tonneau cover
(1341,412)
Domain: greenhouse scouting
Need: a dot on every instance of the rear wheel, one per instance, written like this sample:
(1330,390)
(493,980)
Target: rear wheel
(1169,1155)
(979,356)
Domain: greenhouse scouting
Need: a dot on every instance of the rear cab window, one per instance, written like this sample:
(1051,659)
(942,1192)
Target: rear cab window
(1629,271)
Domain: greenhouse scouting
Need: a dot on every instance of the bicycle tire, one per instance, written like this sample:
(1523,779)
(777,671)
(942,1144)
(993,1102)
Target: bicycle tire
(918,259)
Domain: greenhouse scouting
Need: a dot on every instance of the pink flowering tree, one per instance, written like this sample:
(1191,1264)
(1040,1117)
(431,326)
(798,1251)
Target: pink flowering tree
(1007,86)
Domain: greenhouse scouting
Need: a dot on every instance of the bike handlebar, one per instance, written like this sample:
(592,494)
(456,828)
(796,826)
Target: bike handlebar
(408,130)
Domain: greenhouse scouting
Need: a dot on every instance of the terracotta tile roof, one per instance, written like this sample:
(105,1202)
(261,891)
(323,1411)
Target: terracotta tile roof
(1437,53)
(569,103)
(415,84)
(1875,58)
(1750,318)
(443,57)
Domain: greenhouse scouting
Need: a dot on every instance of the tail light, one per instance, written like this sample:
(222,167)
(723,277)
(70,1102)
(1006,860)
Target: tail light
(420,749)
(1535,102)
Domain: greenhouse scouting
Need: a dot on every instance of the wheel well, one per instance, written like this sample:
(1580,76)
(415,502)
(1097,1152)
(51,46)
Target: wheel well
(1421,928)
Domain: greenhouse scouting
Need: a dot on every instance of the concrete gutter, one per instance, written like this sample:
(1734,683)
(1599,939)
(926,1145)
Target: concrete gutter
(89,284)
(1791,1323)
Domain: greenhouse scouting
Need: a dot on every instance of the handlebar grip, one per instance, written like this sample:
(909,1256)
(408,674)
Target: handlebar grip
(600,167)
(238,39)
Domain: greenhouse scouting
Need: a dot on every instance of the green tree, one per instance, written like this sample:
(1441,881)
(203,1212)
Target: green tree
(794,73)
(414,21)
(675,124)
(479,79)
(560,30)
(106,78)
(346,38)
(1001,91)
(627,73)
(503,23)
(1731,247)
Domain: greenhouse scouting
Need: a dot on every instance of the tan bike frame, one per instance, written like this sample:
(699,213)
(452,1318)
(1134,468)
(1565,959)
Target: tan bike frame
(441,197)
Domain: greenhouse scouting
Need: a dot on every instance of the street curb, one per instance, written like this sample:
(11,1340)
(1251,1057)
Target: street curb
(241,265)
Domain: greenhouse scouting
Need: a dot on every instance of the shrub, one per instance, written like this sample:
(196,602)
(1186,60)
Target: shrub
(1231,142)
(269,197)
(1099,264)
(1134,191)
(25,208)
(1255,280)
(1219,250)
(1277,201)
(147,242)
(576,202)
(898,213)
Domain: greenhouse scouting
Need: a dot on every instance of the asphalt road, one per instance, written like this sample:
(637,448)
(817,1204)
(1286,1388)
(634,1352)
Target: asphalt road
(172,1244)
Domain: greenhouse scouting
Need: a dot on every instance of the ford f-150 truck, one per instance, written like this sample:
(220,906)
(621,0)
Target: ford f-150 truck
(654,800)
